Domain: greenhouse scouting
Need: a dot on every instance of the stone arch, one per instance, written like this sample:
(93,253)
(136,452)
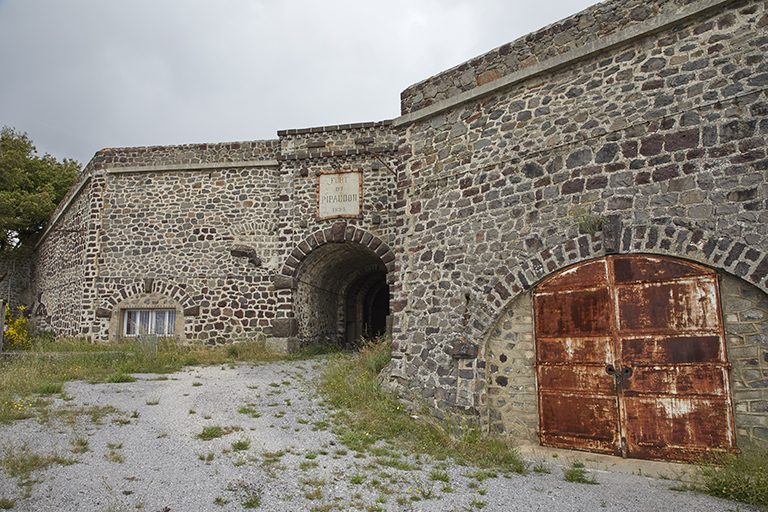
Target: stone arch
(339,232)
(149,293)
(150,285)
(724,253)
(338,284)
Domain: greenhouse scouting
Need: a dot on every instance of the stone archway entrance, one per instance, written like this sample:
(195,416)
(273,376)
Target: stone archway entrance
(630,359)
(341,294)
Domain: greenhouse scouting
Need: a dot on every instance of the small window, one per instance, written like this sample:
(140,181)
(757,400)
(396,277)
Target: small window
(149,321)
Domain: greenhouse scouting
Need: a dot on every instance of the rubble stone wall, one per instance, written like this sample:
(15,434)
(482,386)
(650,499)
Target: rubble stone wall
(662,138)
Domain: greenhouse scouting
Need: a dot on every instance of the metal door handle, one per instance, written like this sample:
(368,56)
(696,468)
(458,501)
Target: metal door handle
(610,370)
(626,371)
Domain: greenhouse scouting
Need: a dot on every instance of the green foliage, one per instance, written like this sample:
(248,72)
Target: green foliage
(586,220)
(30,188)
(738,477)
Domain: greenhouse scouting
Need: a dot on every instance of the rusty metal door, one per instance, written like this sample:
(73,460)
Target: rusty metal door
(631,359)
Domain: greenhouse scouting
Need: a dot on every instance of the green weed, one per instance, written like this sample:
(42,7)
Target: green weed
(242,444)
(438,475)
(50,388)
(209,433)
(737,477)
(79,444)
(577,474)
(119,377)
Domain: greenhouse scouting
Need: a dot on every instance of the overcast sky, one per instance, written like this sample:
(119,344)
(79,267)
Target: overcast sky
(82,75)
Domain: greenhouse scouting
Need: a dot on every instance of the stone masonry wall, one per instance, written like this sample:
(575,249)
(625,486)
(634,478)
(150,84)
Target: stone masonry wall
(165,220)
(745,314)
(64,263)
(178,228)
(663,136)
(305,154)
(553,42)
(162,219)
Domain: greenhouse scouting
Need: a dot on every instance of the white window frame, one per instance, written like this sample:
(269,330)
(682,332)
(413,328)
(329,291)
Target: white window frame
(139,322)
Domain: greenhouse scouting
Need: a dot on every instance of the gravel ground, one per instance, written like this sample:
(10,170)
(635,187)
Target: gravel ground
(145,455)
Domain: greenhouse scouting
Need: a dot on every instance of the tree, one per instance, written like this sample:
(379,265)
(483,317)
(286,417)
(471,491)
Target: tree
(30,188)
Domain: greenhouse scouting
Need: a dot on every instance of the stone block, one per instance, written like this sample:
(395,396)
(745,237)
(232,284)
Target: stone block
(282,282)
(285,327)
(103,313)
(464,350)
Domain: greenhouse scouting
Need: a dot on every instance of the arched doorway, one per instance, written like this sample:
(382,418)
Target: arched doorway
(630,359)
(341,294)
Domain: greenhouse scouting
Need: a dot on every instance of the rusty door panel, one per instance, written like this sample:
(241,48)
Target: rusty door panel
(576,378)
(670,307)
(690,424)
(580,421)
(673,350)
(587,274)
(630,268)
(575,313)
(676,381)
(575,350)
(631,359)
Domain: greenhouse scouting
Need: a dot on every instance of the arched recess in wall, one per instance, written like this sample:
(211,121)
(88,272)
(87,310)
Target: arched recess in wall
(148,306)
(339,276)
(514,361)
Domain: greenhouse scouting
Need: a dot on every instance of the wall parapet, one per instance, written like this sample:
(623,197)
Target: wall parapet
(572,39)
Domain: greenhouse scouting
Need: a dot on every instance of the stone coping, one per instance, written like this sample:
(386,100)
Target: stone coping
(621,37)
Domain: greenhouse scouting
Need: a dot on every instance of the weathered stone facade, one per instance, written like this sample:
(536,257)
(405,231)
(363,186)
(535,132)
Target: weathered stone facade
(663,134)
(647,118)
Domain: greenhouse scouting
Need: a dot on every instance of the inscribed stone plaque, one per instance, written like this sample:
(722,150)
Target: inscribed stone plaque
(339,194)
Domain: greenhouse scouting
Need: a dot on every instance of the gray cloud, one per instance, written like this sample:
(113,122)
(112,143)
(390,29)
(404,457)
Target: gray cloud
(82,75)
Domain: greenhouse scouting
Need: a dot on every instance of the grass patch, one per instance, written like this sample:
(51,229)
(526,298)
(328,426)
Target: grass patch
(206,457)
(741,478)
(209,433)
(120,377)
(272,457)
(79,444)
(7,504)
(577,474)
(22,461)
(241,445)
(368,414)
(49,388)
(441,476)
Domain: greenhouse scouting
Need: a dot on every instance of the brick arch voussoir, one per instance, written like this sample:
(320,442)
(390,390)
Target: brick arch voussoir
(170,290)
(336,233)
(720,252)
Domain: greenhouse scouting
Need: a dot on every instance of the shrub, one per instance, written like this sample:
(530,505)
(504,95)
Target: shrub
(17,335)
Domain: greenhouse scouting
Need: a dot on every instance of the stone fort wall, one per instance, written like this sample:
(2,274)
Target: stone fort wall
(162,223)
(662,135)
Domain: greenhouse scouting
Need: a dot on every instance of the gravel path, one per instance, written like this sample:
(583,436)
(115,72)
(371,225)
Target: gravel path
(145,455)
